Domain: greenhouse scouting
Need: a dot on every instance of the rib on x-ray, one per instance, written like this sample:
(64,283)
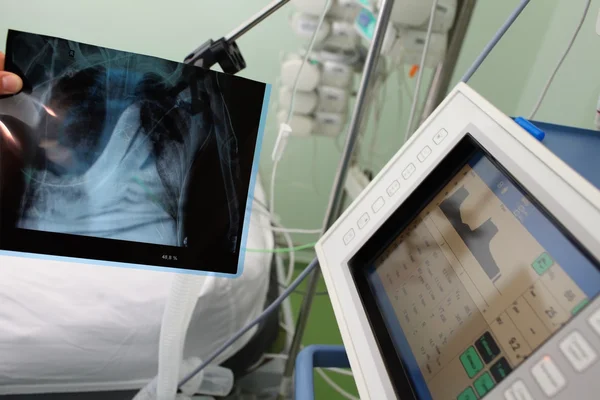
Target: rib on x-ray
(120,150)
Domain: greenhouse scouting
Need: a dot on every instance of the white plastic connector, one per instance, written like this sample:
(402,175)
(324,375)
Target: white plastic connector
(280,144)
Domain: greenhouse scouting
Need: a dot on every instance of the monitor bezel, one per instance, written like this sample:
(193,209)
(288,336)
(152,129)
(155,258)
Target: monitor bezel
(401,218)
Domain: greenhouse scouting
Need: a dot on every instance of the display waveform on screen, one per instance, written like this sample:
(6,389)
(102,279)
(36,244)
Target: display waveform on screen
(478,240)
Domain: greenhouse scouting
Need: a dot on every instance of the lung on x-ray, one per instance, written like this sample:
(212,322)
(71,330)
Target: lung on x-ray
(118,157)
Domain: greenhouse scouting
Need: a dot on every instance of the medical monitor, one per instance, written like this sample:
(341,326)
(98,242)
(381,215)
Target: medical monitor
(469,267)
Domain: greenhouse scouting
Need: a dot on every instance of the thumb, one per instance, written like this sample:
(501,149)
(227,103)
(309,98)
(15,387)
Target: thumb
(9,83)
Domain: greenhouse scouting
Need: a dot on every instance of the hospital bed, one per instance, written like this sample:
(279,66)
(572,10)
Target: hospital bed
(95,334)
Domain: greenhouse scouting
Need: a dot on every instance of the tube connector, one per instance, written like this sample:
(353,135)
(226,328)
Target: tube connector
(280,144)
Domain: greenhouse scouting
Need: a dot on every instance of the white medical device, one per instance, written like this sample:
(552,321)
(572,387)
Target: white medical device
(304,103)
(344,10)
(411,43)
(329,123)
(304,26)
(445,14)
(301,125)
(333,100)
(343,36)
(413,13)
(310,76)
(469,267)
(312,7)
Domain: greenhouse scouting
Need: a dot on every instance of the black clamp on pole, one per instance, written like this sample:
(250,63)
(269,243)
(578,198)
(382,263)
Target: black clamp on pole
(225,53)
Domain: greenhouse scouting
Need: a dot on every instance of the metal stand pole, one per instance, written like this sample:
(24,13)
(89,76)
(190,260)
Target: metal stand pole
(225,51)
(337,193)
(255,20)
(443,75)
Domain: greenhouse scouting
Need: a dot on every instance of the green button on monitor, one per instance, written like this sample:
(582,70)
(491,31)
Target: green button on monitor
(468,394)
(579,307)
(484,384)
(542,263)
(471,362)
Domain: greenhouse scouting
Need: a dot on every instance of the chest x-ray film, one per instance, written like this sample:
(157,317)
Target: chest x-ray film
(111,157)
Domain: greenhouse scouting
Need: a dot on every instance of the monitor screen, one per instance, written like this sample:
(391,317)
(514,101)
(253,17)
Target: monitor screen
(474,281)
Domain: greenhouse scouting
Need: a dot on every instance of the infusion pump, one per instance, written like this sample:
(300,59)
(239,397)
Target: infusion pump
(469,267)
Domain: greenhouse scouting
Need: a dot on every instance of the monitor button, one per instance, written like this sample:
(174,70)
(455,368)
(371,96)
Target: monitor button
(440,136)
(363,220)
(378,205)
(349,236)
(426,152)
(487,348)
(484,384)
(518,391)
(471,362)
(578,351)
(500,370)
(548,376)
(408,171)
(393,188)
(467,394)
(594,321)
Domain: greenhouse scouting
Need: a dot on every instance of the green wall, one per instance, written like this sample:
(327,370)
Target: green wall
(511,78)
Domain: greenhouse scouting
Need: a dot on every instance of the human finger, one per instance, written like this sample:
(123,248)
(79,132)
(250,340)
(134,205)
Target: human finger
(9,83)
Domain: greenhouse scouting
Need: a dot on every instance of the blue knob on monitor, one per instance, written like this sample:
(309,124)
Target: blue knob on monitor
(531,128)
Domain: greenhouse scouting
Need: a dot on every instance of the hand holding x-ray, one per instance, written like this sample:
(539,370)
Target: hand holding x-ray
(118,149)
(9,83)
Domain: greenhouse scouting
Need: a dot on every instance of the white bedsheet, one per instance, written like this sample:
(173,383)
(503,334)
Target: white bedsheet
(75,327)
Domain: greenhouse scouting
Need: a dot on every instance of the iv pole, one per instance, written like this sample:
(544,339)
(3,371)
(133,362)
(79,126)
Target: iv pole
(337,193)
(226,53)
(437,91)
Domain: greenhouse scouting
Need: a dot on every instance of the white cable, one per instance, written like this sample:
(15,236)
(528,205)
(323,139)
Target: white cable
(334,385)
(326,378)
(321,372)
(313,166)
(285,357)
(286,235)
(340,371)
(413,109)
(560,62)
(274,355)
(306,56)
(404,82)
(272,191)
(379,102)
(300,231)
(286,328)
(280,229)
(292,103)
(291,259)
